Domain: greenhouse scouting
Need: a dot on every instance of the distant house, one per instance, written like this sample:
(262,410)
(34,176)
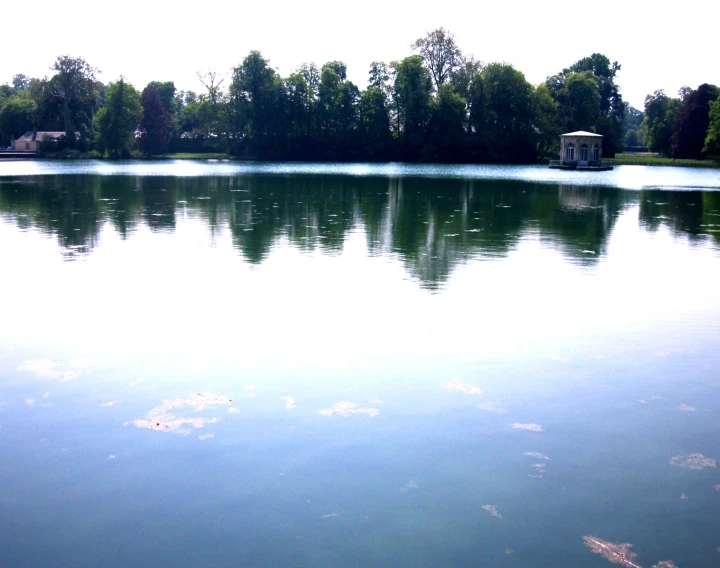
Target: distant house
(581,150)
(30,141)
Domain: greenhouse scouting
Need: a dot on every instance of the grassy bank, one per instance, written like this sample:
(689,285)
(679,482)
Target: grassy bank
(657,160)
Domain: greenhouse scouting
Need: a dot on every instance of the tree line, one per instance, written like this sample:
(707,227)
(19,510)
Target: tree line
(437,104)
(686,126)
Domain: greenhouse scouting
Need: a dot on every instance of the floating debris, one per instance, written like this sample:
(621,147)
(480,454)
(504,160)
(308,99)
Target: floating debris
(614,552)
(455,385)
(112,456)
(344,408)
(528,427)
(665,564)
(683,497)
(330,515)
(537,455)
(692,461)
(509,551)
(111,403)
(686,408)
(206,436)
(409,485)
(717,487)
(492,509)
(30,401)
(539,467)
(492,407)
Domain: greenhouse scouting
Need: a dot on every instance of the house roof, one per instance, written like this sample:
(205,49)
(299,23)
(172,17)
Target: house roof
(32,136)
(583,133)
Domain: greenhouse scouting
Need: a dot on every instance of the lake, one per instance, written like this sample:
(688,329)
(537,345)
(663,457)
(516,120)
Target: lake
(237,364)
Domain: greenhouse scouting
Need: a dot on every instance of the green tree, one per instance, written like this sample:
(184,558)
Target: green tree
(20,82)
(446,129)
(116,122)
(712,140)
(692,123)
(298,105)
(589,99)
(74,81)
(375,123)
(545,121)
(254,97)
(478,116)
(463,76)
(338,112)
(509,107)
(49,111)
(660,113)
(440,53)
(412,96)
(17,116)
(378,76)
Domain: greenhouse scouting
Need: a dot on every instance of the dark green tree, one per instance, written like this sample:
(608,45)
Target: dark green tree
(412,96)
(159,122)
(658,121)
(545,121)
(580,109)
(509,107)
(712,140)
(446,129)
(17,116)
(73,83)
(254,98)
(692,123)
(375,123)
(116,122)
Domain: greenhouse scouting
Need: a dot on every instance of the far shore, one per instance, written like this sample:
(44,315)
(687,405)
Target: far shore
(623,159)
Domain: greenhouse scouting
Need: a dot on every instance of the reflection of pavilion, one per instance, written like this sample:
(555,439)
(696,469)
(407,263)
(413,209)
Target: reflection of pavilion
(581,151)
(578,197)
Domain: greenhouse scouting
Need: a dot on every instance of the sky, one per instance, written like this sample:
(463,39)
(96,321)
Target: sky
(658,46)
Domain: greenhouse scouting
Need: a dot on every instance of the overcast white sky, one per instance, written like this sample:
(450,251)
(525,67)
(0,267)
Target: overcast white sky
(659,45)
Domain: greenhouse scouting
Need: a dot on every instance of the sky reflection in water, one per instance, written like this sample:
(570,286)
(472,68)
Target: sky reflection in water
(363,367)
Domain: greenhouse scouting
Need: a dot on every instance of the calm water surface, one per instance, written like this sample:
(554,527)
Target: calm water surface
(213,364)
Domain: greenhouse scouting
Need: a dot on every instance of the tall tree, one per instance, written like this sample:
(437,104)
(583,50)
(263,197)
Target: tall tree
(74,80)
(255,93)
(20,82)
(657,125)
(712,140)
(412,93)
(440,53)
(692,123)
(158,122)
(545,121)
(375,123)
(589,99)
(446,130)
(509,106)
(378,76)
(116,122)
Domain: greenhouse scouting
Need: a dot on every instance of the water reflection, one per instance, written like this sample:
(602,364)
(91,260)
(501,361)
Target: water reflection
(432,225)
